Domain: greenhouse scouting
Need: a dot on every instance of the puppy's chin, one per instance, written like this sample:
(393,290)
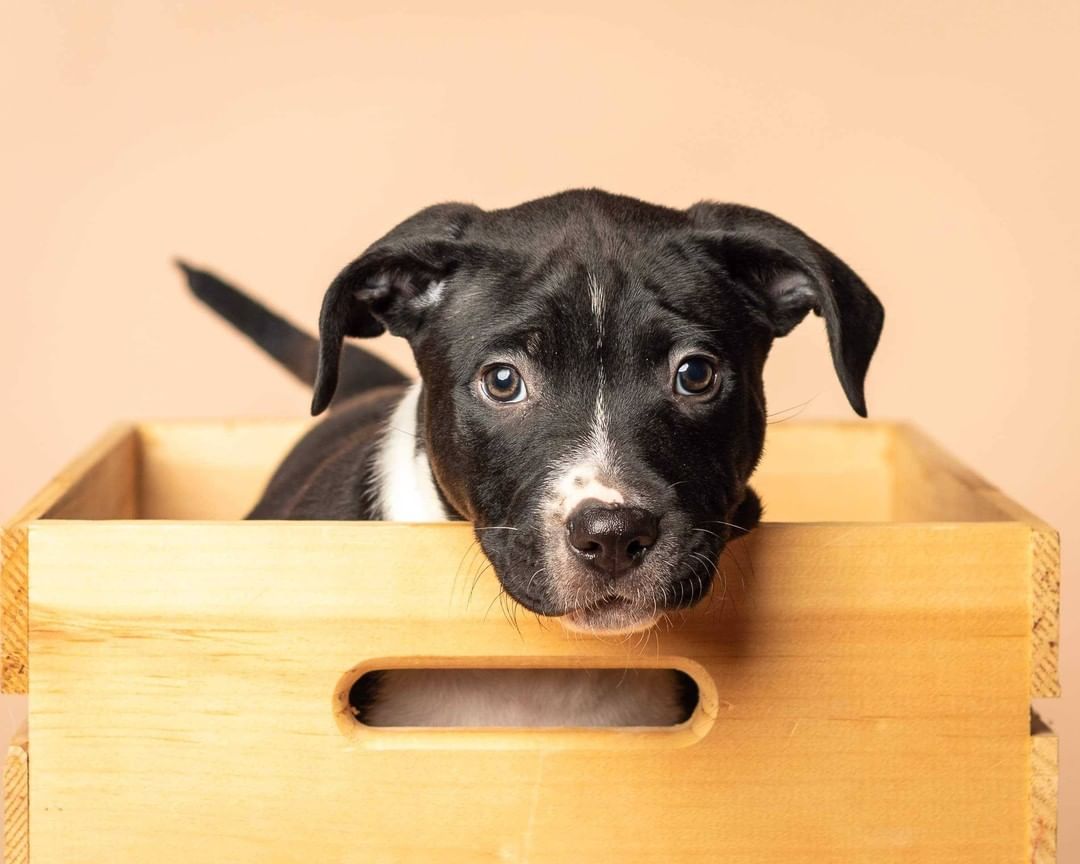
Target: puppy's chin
(613,617)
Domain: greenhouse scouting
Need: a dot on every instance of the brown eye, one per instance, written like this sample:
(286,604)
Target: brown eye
(695,375)
(503,383)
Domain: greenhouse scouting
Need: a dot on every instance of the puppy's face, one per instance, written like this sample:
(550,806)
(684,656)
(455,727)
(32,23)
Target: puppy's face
(592,372)
(598,426)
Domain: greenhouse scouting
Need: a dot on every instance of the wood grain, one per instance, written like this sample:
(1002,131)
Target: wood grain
(865,679)
(1046,613)
(99,484)
(213,469)
(17,802)
(1044,797)
(866,700)
(932,485)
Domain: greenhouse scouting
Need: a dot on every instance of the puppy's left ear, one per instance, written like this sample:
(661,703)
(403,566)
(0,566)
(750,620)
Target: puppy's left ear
(391,285)
(791,274)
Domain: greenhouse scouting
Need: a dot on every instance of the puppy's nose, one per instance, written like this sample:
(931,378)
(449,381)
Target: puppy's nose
(611,537)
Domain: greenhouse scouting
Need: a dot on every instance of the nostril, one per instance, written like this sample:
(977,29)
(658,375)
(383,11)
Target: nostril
(612,538)
(583,542)
(636,548)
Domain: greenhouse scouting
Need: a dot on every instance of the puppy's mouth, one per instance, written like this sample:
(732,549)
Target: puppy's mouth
(672,577)
(611,616)
(616,614)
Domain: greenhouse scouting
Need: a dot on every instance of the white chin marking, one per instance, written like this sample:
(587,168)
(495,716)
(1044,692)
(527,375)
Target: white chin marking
(404,485)
(605,624)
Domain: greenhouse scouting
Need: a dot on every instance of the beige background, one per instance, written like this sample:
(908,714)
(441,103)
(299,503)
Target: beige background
(932,144)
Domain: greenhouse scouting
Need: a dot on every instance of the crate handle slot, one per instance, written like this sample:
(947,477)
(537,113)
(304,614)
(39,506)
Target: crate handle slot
(627,697)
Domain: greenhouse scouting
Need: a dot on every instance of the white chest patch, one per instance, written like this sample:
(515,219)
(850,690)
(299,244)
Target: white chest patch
(404,485)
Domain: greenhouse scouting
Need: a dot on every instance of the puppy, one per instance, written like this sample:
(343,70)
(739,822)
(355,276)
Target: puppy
(590,399)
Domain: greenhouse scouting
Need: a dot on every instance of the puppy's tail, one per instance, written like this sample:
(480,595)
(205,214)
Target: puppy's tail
(294,349)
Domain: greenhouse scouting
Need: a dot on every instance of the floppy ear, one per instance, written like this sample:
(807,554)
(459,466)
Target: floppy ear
(792,274)
(389,285)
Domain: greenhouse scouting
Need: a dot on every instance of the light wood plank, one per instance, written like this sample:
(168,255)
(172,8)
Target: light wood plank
(825,471)
(17,802)
(213,469)
(867,701)
(1044,798)
(99,484)
(933,485)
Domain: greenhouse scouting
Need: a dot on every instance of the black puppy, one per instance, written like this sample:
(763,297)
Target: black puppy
(591,389)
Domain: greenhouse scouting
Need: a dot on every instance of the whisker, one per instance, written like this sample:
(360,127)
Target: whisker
(457,572)
(742,575)
(729,524)
(723,592)
(476,579)
(528,588)
(494,600)
(509,607)
(750,563)
(798,409)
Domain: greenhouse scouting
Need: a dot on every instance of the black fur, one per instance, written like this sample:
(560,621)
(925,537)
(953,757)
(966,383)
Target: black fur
(294,349)
(520,286)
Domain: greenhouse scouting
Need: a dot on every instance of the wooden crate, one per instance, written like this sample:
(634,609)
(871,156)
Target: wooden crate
(865,681)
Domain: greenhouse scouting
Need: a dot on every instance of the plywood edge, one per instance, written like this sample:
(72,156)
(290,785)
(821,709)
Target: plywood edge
(1045,612)
(14,616)
(59,494)
(1044,798)
(17,801)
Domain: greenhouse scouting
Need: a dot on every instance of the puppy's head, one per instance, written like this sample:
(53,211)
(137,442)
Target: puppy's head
(592,371)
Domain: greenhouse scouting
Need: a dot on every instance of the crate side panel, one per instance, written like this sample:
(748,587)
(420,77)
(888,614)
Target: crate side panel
(210,469)
(825,472)
(99,484)
(872,692)
(931,485)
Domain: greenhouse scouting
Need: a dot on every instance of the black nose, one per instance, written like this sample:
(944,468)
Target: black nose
(611,537)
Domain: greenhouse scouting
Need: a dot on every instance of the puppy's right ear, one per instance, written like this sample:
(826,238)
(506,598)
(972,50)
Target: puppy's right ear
(791,274)
(390,284)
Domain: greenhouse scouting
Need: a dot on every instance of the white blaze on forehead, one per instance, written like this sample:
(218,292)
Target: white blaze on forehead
(599,445)
(593,465)
(596,303)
